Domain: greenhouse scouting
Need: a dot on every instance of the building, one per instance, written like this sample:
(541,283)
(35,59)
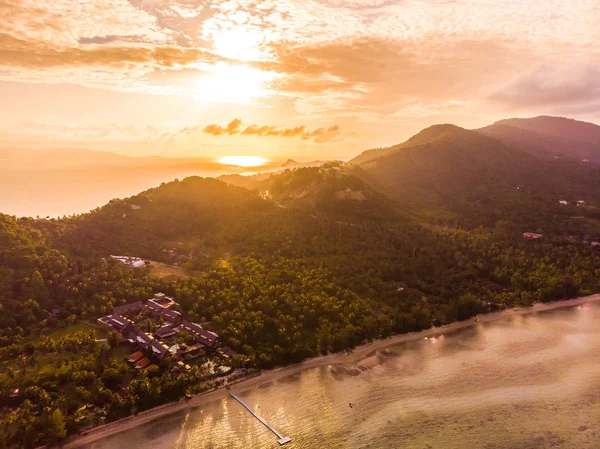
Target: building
(158,349)
(162,302)
(172,316)
(165,332)
(114,322)
(143,363)
(191,352)
(143,340)
(207,338)
(131,262)
(532,235)
(226,352)
(129,309)
(136,356)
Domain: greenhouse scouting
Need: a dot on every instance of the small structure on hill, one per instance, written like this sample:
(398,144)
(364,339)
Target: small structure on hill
(532,235)
(131,262)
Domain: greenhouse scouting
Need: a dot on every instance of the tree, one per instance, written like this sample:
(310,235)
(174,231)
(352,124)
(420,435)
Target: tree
(56,426)
(111,377)
(113,339)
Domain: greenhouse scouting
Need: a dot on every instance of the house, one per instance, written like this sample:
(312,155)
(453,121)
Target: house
(191,352)
(191,327)
(143,340)
(163,302)
(131,262)
(165,332)
(114,322)
(129,309)
(119,323)
(143,363)
(208,338)
(203,336)
(135,357)
(103,322)
(154,307)
(226,352)
(171,315)
(532,235)
(158,349)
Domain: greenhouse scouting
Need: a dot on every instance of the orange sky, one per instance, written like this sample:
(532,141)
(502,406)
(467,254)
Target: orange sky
(302,78)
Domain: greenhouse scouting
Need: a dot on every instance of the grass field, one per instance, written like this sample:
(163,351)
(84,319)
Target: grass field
(84,326)
(165,271)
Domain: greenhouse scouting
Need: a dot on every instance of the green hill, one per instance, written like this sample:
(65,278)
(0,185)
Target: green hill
(549,137)
(446,173)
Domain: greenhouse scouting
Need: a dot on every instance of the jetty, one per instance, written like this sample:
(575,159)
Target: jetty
(281,440)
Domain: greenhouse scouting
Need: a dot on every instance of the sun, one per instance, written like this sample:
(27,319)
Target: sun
(233,84)
(243,161)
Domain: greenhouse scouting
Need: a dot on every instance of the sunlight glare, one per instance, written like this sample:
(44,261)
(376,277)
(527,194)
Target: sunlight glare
(233,84)
(243,161)
(238,43)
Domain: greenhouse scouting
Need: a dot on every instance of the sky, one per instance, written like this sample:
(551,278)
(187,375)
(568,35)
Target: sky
(285,78)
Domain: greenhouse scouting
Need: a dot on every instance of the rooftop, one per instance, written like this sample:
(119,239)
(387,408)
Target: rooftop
(143,363)
(135,356)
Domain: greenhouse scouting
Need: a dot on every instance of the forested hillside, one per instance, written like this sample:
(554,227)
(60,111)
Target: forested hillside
(553,137)
(446,174)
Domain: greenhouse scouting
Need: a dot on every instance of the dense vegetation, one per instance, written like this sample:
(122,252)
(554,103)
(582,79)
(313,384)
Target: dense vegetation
(320,263)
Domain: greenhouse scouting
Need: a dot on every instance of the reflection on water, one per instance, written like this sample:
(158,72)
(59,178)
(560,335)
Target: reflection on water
(525,382)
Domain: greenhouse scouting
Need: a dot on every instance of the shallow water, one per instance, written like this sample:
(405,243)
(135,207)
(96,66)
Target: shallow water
(530,381)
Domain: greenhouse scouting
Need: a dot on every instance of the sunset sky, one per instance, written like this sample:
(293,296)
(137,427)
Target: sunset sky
(277,78)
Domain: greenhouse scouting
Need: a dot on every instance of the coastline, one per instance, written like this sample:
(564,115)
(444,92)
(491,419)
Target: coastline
(359,353)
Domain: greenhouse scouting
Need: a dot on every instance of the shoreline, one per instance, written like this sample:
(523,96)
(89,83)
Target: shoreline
(359,353)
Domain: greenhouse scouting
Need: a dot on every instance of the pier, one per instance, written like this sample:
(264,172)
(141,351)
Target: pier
(281,440)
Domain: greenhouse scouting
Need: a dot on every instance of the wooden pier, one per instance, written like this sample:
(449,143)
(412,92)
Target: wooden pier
(281,440)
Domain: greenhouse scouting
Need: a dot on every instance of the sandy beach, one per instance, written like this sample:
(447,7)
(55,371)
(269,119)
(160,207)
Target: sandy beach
(357,355)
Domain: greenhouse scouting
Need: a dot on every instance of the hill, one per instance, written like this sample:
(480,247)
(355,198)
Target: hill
(329,189)
(446,173)
(549,137)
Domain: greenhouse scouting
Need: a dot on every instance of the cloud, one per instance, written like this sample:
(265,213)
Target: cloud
(216,130)
(320,135)
(573,87)
(377,75)
(16,52)
(323,135)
